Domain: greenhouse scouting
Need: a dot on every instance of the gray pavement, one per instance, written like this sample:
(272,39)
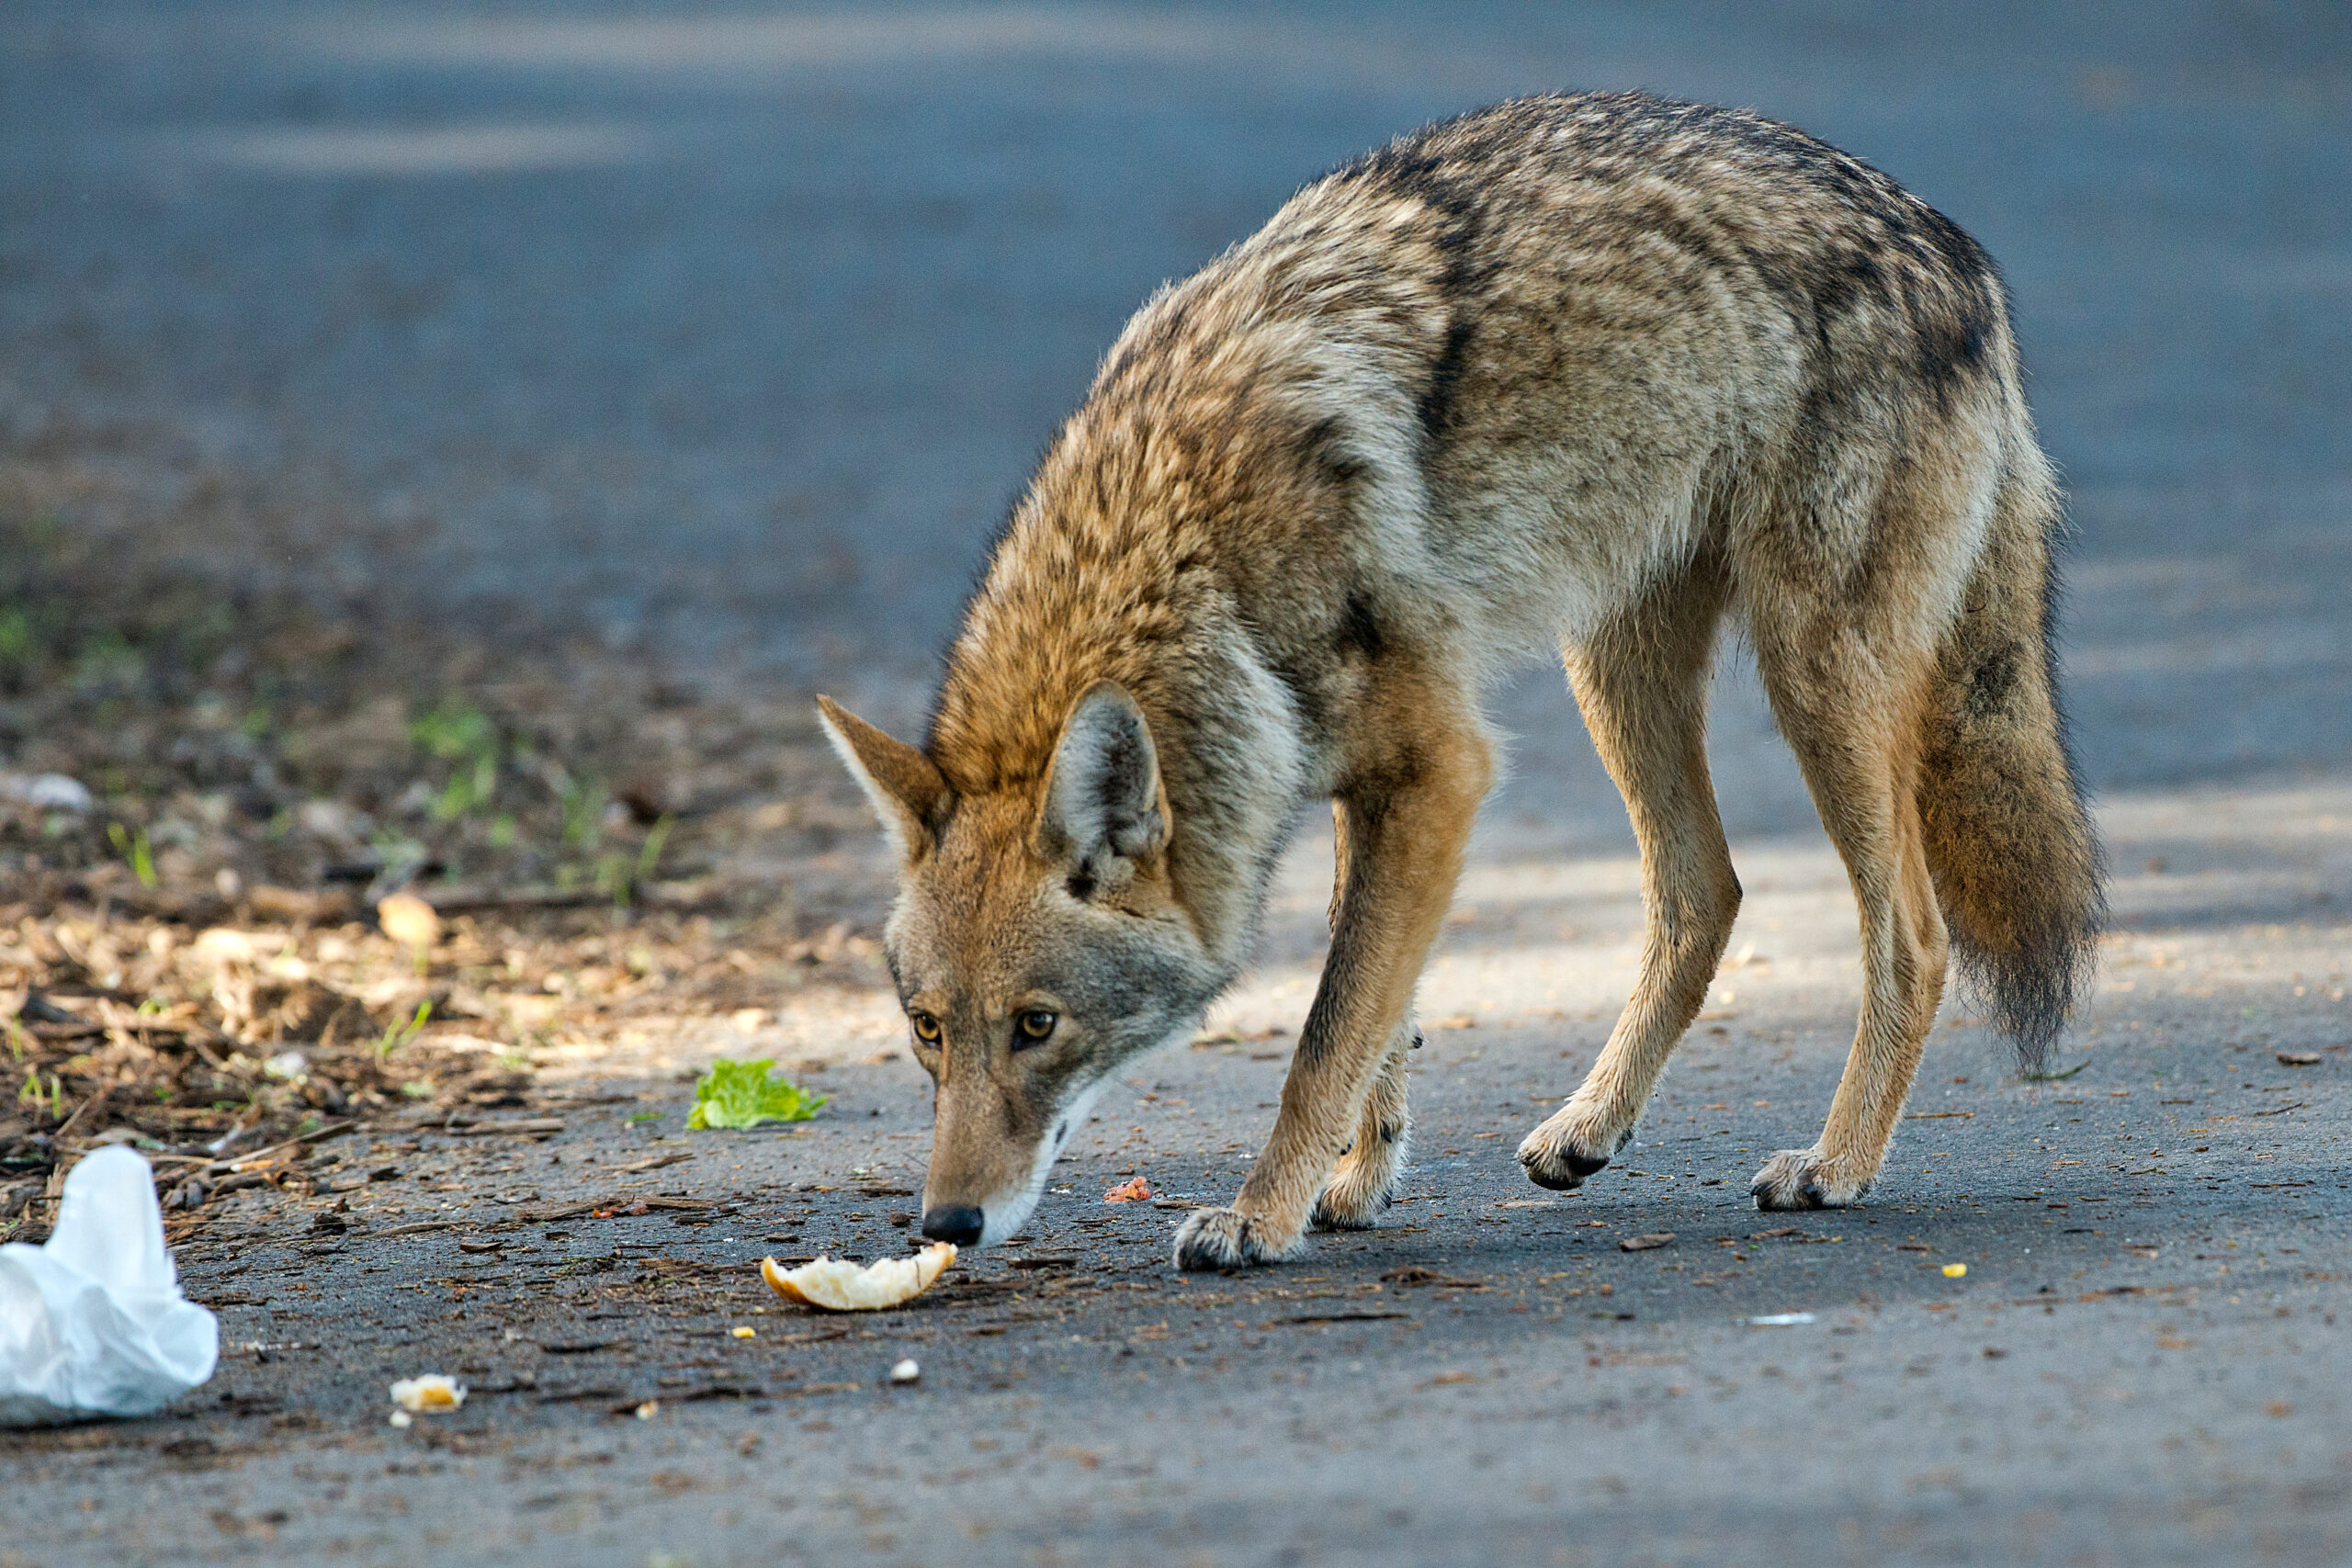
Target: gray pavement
(729,335)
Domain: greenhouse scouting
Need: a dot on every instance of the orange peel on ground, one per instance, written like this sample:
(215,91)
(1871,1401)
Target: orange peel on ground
(841,1286)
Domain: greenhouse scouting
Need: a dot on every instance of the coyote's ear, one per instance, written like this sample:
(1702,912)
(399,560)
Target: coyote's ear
(1104,800)
(908,793)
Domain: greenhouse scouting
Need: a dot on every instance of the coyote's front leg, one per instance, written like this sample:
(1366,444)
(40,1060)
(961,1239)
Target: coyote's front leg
(1365,1181)
(1406,826)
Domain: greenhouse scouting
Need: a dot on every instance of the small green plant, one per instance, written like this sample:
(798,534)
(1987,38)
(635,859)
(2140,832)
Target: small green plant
(463,736)
(583,811)
(16,636)
(106,661)
(620,877)
(2056,1077)
(400,1031)
(741,1094)
(454,730)
(51,1103)
(134,847)
(612,878)
(649,856)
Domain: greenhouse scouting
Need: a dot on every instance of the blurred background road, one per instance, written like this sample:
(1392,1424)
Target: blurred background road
(729,335)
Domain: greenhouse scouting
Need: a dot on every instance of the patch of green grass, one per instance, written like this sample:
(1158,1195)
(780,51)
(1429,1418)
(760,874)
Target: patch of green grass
(463,735)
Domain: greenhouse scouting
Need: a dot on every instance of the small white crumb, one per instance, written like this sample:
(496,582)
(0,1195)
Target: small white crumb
(431,1391)
(906,1371)
(402,1418)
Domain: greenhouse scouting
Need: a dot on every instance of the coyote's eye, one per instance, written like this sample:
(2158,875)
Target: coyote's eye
(1035,1025)
(926,1027)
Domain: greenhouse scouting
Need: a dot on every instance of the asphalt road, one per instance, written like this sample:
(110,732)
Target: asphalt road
(729,335)
(2144,1360)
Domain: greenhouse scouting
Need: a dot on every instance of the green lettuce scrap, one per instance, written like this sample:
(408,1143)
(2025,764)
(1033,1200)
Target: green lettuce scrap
(740,1094)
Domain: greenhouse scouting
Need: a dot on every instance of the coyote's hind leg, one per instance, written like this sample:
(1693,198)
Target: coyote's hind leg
(1640,684)
(1850,716)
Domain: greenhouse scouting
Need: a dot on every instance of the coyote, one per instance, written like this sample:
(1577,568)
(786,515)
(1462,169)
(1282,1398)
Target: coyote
(1587,372)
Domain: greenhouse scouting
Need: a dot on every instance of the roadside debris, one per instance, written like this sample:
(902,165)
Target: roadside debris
(1415,1274)
(429,1394)
(1779,1320)
(409,921)
(46,791)
(93,1323)
(844,1287)
(741,1094)
(906,1371)
(2298,1058)
(1644,1243)
(1134,1189)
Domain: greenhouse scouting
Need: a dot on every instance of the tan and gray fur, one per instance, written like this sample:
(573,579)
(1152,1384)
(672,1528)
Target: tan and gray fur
(1591,373)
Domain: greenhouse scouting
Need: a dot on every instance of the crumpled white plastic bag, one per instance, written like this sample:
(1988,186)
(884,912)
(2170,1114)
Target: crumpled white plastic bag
(93,1323)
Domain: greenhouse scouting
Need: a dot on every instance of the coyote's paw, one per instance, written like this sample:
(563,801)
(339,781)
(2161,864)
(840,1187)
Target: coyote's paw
(1561,1152)
(1361,1188)
(1802,1178)
(1228,1238)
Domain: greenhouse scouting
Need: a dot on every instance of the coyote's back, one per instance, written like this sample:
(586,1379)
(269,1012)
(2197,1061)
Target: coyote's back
(1587,372)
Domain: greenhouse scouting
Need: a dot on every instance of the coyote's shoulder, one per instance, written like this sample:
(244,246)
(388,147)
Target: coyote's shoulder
(1588,372)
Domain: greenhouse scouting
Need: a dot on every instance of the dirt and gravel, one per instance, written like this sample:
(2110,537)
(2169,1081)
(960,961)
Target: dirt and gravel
(441,452)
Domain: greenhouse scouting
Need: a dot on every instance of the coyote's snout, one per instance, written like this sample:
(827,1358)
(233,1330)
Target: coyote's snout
(1037,944)
(1588,373)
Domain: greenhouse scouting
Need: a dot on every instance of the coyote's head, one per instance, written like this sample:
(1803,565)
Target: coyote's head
(1036,942)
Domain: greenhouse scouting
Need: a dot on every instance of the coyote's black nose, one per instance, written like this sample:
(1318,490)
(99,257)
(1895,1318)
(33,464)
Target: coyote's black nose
(958,1223)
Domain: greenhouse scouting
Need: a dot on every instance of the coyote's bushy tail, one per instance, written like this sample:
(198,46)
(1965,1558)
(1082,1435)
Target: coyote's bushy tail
(2017,870)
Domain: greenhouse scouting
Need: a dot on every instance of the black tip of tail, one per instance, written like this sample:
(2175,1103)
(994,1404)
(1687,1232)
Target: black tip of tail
(2026,989)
